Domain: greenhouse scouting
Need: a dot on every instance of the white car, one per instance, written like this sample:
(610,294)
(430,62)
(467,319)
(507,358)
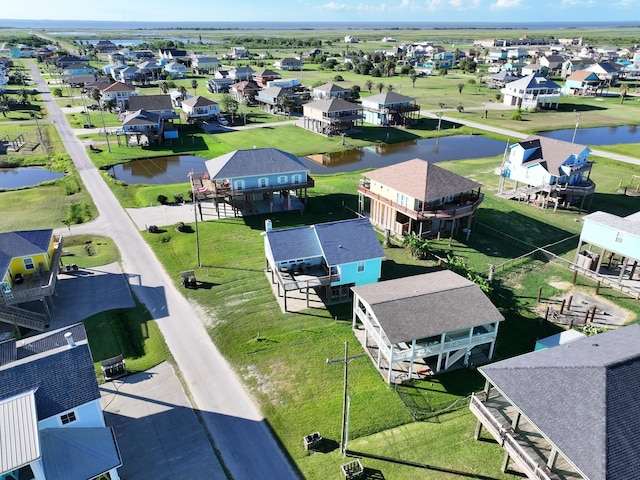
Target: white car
(223,121)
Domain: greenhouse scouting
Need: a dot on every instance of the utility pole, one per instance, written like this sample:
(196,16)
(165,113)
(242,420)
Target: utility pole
(575,130)
(195,213)
(344,433)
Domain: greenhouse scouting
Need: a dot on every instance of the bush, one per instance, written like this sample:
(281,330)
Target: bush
(162,199)
(517,115)
(178,198)
(338,78)
(78,213)
(180,227)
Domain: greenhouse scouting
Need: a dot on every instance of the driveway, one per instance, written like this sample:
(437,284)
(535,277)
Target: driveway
(158,432)
(89,291)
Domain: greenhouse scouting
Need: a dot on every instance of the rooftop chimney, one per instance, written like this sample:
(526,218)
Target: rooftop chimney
(69,337)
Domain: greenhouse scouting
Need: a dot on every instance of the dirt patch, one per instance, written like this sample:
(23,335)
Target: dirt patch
(261,383)
(561,285)
(577,308)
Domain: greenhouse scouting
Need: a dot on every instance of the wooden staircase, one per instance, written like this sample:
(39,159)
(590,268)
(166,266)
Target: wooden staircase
(23,318)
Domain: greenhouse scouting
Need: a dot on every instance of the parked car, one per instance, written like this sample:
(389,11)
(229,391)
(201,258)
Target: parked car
(93,106)
(223,121)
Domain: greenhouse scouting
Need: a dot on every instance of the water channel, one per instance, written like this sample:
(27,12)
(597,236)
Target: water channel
(26,177)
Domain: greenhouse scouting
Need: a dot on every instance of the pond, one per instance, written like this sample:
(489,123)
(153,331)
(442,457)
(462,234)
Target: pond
(158,170)
(433,150)
(26,177)
(598,135)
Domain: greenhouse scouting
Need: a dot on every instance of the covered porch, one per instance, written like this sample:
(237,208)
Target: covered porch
(526,448)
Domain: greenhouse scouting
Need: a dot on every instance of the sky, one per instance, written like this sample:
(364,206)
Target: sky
(329,10)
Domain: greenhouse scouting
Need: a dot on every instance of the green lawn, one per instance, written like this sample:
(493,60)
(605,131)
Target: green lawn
(88,251)
(281,357)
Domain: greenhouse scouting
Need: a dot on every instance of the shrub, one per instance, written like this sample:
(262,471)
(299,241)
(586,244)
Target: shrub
(178,198)
(78,213)
(180,227)
(162,199)
(517,115)
(338,78)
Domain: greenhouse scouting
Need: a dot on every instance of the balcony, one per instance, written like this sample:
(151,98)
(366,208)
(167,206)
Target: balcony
(526,446)
(37,285)
(461,207)
(305,277)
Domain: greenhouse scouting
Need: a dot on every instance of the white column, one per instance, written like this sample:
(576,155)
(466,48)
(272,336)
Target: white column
(413,350)
(390,364)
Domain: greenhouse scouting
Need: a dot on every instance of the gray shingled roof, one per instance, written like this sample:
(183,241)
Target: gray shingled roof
(630,224)
(583,396)
(333,105)
(550,153)
(293,244)
(150,103)
(141,117)
(64,376)
(198,101)
(425,305)
(388,98)
(341,242)
(256,161)
(533,81)
(348,241)
(78,453)
(422,180)
(22,243)
(330,87)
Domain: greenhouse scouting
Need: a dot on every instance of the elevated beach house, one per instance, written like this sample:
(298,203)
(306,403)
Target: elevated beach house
(570,412)
(29,263)
(329,258)
(424,324)
(418,197)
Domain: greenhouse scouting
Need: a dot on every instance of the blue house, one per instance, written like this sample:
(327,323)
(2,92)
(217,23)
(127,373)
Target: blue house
(52,424)
(617,239)
(259,180)
(390,108)
(328,257)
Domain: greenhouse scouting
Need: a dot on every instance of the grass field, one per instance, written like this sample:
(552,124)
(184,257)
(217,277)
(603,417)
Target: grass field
(281,357)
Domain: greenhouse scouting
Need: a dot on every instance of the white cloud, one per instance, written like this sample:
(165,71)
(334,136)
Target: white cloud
(435,4)
(464,4)
(577,3)
(506,4)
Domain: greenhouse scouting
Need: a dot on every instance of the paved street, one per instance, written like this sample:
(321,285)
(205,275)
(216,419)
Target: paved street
(241,434)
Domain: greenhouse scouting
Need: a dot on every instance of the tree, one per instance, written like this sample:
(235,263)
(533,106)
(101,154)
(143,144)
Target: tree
(164,87)
(183,92)
(4,104)
(390,88)
(229,105)
(380,87)
(194,85)
(413,78)
(287,104)
(623,92)
(460,87)
(354,92)
(369,85)
(109,104)
(23,94)
(96,95)
(56,92)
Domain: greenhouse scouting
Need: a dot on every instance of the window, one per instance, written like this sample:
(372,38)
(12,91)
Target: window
(28,263)
(619,237)
(238,184)
(282,179)
(360,266)
(296,178)
(68,418)
(263,182)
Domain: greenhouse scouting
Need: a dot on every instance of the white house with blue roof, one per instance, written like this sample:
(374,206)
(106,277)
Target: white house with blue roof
(52,424)
(328,257)
(258,180)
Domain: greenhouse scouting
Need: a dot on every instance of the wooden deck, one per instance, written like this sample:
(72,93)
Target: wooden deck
(528,448)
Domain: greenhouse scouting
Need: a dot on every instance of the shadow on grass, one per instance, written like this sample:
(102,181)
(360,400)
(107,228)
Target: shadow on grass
(579,107)
(384,134)
(617,204)
(392,270)
(424,466)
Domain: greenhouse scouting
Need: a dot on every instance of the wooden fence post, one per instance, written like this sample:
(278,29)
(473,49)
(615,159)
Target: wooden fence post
(562,307)
(575,276)
(598,288)
(539,294)
(569,302)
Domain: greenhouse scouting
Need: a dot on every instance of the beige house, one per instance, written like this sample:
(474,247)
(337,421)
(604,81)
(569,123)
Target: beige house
(418,197)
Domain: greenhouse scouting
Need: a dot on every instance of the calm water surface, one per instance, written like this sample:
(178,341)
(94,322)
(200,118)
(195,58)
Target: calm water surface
(599,135)
(158,171)
(26,176)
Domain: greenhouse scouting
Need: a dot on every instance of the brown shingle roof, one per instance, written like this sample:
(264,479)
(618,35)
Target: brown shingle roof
(422,180)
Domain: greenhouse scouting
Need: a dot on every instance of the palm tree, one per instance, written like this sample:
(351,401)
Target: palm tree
(390,88)
(194,85)
(623,92)
(287,104)
(460,87)
(109,104)
(380,87)
(164,87)
(369,85)
(96,95)
(413,78)
(183,92)
(24,96)
(4,104)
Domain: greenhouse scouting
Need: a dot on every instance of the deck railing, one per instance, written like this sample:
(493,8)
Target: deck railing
(507,439)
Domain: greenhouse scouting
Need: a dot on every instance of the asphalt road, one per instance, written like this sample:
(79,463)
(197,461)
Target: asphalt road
(238,429)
